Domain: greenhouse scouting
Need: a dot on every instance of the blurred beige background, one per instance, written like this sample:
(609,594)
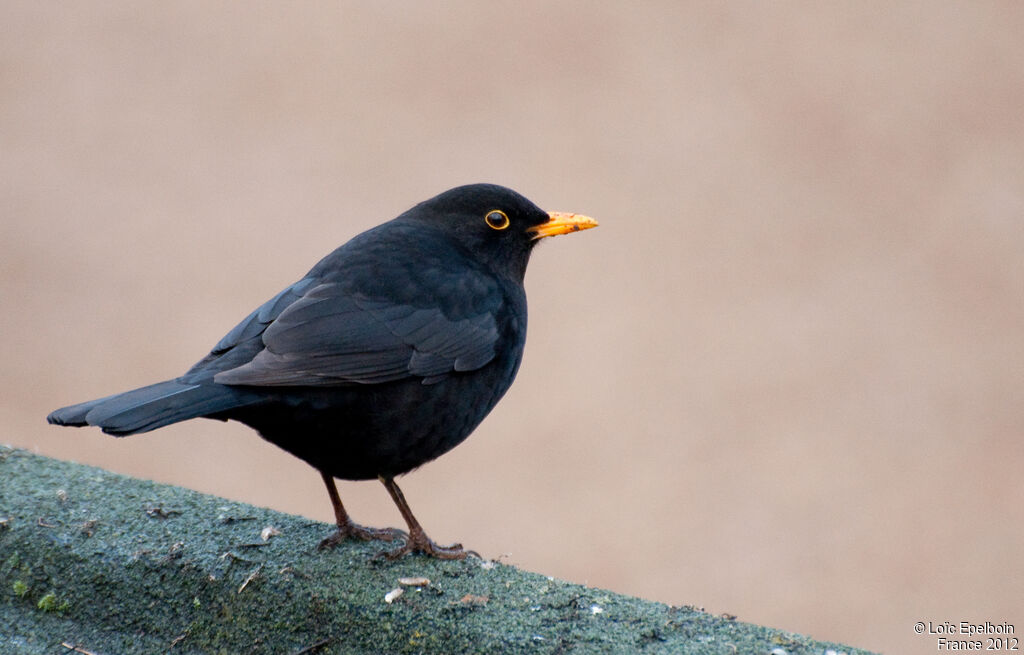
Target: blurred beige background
(783,379)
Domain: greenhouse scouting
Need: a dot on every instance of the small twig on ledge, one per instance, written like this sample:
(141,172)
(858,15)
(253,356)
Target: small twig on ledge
(252,576)
(312,647)
(161,513)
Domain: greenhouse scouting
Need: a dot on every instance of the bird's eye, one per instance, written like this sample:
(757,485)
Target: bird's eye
(496,219)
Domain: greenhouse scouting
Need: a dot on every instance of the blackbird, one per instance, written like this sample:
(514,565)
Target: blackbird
(386,355)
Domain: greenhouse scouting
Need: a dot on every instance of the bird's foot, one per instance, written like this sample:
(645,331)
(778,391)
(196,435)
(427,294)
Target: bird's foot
(352,530)
(419,542)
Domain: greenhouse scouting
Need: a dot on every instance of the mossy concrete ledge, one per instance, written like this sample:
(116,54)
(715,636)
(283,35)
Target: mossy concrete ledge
(95,562)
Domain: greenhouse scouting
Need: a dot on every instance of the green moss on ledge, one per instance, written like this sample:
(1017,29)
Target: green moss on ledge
(95,562)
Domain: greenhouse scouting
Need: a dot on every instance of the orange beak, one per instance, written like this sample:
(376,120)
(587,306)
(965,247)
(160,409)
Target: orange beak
(562,223)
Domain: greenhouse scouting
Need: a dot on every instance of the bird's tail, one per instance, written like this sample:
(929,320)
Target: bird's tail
(152,407)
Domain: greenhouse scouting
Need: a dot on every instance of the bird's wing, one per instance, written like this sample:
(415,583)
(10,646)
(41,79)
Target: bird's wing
(243,342)
(335,334)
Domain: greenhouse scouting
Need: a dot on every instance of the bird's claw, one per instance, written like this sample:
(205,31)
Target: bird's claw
(418,542)
(355,531)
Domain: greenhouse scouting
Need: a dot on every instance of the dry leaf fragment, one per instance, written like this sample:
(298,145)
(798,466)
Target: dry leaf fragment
(414,582)
(472,599)
(268,532)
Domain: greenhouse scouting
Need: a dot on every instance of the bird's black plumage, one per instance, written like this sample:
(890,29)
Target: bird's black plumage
(387,354)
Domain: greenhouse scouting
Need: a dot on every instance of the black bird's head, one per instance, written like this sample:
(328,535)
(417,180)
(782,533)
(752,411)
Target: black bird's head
(496,224)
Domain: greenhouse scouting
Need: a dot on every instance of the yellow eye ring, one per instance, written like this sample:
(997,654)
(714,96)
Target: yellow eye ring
(496,219)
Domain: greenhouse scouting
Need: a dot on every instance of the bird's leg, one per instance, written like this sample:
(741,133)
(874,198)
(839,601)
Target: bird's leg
(346,527)
(418,542)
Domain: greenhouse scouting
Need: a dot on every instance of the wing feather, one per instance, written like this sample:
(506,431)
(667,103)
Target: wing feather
(332,335)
